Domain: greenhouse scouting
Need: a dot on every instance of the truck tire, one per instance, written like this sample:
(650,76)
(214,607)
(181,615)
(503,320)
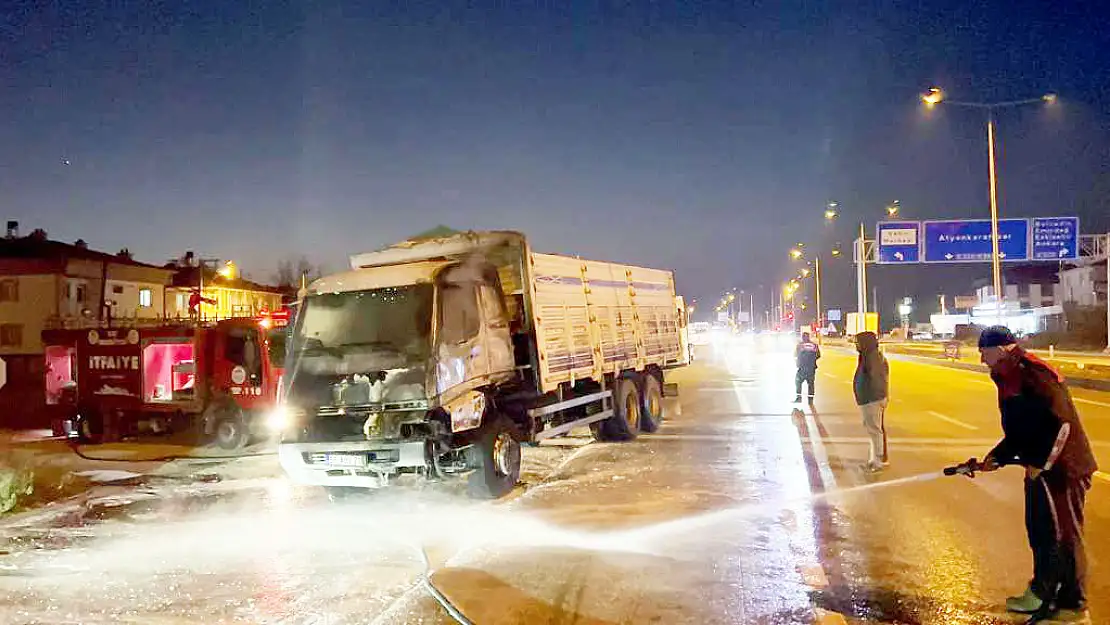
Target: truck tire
(651,404)
(624,425)
(495,457)
(89,426)
(230,431)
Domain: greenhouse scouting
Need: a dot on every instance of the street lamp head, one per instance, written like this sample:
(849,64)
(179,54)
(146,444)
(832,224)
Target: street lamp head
(805,272)
(893,208)
(830,213)
(836,251)
(933,96)
(795,253)
(1050,98)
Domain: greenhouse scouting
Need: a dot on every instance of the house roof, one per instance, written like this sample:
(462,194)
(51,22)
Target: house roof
(38,247)
(189,277)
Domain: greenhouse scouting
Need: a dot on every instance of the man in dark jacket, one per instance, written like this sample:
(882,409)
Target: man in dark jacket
(1043,434)
(806,355)
(871,384)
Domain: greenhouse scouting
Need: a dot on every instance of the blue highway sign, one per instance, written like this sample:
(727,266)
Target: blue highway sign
(1055,238)
(969,240)
(898,242)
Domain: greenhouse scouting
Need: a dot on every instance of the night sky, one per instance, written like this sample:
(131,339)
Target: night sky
(700,136)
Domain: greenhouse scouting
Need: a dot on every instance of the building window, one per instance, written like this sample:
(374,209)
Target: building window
(11,335)
(9,290)
(80,292)
(117,289)
(146,298)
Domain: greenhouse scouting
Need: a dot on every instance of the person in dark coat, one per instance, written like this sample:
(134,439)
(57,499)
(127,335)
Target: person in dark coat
(871,385)
(806,355)
(1043,434)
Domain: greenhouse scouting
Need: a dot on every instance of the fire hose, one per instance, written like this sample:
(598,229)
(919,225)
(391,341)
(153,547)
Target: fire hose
(436,594)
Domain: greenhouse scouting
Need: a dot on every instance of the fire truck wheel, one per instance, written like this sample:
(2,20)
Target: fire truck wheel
(229,431)
(651,410)
(627,409)
(90,428)
(495,457)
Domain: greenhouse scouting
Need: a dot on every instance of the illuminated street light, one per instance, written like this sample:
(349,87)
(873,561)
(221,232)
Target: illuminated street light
(933,96)
(893,208)
(805,272)
(831,211)
(228,270)
(836,251)
(795,253)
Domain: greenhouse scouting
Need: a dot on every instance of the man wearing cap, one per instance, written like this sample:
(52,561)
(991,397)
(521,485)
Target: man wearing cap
(1043,434)
(806,355)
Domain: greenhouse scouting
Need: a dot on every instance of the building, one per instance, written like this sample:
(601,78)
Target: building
(223,293)
(46,283)
(1028,286)
(1083,285)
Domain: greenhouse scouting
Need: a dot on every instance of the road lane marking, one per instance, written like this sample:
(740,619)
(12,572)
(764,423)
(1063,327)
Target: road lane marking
(1102,476)
(1084,400)
(943,417)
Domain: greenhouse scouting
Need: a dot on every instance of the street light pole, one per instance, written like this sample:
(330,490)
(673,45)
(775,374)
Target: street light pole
(996,258)
(817,280)
(936,96)
(861,274)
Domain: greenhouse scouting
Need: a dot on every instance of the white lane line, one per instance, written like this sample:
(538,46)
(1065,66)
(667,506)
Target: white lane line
(943,417)
(1084,400)
(1102,476)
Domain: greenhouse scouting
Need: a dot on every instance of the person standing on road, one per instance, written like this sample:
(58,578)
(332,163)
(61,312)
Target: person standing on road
(1042,433)
(806,355)
(871,385)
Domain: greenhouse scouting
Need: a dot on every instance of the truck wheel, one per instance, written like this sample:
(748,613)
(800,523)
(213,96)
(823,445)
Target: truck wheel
(230,431)
(495,457)
(90,428)
(625,422)
(651,415)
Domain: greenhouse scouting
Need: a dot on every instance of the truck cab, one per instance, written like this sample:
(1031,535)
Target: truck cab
(387,370)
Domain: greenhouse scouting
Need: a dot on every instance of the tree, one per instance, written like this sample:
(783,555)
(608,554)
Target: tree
(289,272)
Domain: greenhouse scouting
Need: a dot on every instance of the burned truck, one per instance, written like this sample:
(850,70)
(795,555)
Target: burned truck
(441,357)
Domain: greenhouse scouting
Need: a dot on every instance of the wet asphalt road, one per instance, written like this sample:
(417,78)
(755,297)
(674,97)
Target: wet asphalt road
(738,511)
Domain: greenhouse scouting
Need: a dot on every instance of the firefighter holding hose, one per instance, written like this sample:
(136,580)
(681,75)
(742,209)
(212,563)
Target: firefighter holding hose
(1043,434)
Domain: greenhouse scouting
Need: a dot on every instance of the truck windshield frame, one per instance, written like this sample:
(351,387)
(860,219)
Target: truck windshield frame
(391,320)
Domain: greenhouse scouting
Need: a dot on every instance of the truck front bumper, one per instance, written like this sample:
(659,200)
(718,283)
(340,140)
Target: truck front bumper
(364,464)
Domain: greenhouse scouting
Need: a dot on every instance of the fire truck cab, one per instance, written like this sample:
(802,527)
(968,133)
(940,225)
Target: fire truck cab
(214,380)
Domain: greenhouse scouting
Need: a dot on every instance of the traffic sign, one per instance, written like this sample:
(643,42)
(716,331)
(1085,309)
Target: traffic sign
(1055,238)
(898,242)
(969,240)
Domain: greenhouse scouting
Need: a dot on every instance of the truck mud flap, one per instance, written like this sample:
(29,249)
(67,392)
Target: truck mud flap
(670,389)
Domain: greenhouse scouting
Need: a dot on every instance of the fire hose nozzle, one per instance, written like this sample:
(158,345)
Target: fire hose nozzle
(964,468)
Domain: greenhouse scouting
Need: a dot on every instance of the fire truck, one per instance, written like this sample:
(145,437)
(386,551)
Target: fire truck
(213,380)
